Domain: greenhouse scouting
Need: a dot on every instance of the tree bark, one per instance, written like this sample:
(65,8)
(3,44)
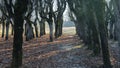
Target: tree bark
(36,29)
(60,27)
(18,40)
(19,10)
(3,28)
(50,22)
(51,31)
(103,33)
(29,31)
(12,32)
(7,29)
(42,27)
(56,30)
(111,30)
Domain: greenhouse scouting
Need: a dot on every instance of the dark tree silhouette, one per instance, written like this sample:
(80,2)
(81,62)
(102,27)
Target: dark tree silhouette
(19,11)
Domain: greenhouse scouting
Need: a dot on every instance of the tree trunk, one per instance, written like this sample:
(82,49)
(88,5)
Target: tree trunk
(42,28)
(105,49)
(96,35)
(36,30)
(111,30)
(7,29)
(51,31)
(12,32)
(56,30)
(115,32)
(19,10)
(103,33)
(18,40)
(3,28)
(60,27)
(29,31)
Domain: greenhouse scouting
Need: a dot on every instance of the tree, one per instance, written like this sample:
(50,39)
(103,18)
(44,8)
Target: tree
(103,32)
(7,15)
(19,11)
(28,23)
(46,7)
(58,19)
(91,26)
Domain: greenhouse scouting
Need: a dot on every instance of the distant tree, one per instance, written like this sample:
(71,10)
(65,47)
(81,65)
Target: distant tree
(29,32)
(58,17)
(7,15)
(46,12)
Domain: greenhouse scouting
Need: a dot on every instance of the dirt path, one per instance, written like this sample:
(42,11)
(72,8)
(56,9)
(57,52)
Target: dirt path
(64,52)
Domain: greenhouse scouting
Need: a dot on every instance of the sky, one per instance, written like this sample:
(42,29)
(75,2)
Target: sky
(66,14)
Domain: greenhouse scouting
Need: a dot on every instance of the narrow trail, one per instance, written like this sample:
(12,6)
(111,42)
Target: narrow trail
(64,52)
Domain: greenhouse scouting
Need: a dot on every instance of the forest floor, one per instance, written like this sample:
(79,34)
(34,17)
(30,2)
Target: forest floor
(65,52)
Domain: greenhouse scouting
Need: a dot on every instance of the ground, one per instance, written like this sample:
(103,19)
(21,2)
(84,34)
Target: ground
(67,51)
